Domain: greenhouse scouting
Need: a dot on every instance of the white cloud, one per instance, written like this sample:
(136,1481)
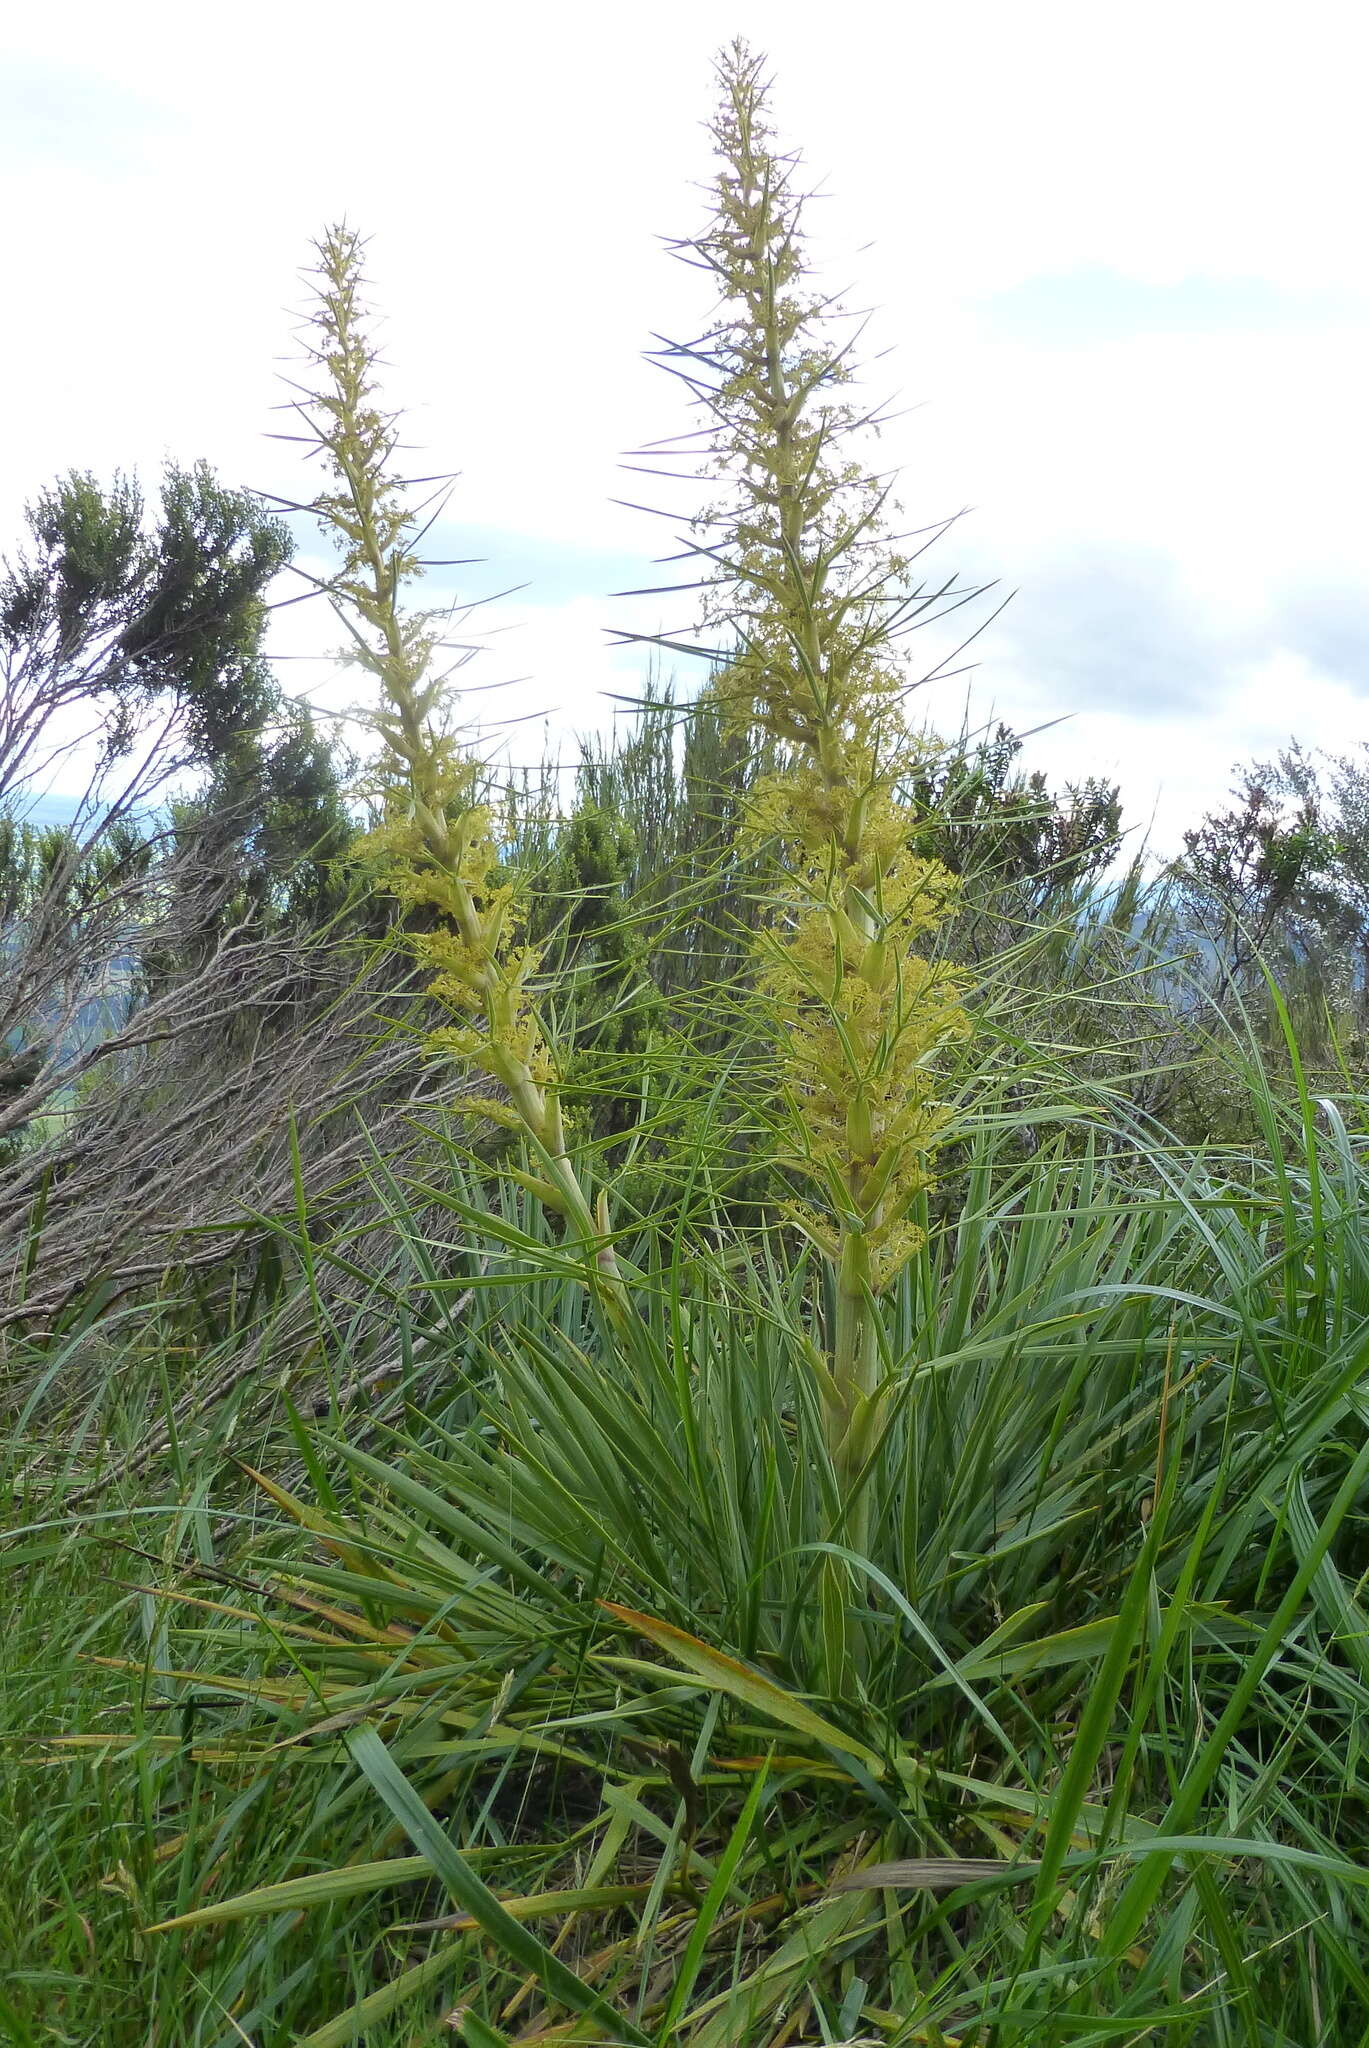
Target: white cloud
(516,168)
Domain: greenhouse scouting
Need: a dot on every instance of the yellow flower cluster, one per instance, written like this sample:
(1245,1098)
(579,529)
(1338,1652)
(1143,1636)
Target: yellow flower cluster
(814,594)
(859,1015)
(434,847)
(479,969)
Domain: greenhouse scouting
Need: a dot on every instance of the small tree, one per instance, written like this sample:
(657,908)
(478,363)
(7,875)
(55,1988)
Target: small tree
(161,981)
(1004,830)
(130,649)
(134,641)
(1262,877)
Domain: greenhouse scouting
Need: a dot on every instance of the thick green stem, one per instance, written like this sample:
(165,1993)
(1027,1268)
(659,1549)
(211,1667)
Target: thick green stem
(856,1372)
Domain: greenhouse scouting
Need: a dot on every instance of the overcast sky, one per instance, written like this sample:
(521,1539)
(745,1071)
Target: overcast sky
(1116,253)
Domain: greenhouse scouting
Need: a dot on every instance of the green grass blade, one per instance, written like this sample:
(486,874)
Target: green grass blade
(515,1940)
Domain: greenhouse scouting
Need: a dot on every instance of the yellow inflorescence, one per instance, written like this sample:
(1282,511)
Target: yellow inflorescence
(478,968)
(859,1016)
(434,847)
(814,594)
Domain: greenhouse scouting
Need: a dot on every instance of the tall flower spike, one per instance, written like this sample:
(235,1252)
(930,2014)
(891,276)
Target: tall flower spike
(435,845)
(803,572)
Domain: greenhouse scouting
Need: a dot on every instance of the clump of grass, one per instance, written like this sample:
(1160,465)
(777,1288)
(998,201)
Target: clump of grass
(557,1648)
